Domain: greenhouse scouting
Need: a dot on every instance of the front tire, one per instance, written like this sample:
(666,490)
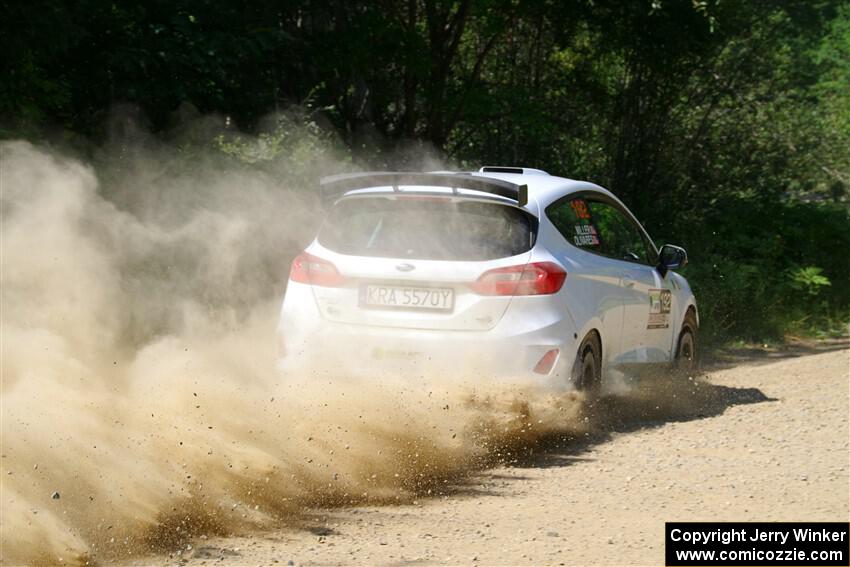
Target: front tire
(686,361)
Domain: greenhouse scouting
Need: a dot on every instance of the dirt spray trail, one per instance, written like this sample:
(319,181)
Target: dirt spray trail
(140,400)
(141,404)
(766,442)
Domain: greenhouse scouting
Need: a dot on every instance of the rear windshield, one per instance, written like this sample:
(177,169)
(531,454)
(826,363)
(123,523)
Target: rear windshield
(427,229)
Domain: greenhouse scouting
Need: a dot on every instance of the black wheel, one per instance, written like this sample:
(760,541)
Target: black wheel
(687,353)
(587,374)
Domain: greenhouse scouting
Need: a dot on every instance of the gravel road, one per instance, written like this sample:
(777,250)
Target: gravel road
(768,442)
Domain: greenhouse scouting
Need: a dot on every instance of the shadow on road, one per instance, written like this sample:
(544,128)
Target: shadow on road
(654,403)
(764,354)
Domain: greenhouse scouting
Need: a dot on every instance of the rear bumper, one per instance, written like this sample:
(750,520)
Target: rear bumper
(312,346)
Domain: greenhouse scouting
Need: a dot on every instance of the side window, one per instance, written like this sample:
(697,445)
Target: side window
(621,238)
(573,220)
(602,228)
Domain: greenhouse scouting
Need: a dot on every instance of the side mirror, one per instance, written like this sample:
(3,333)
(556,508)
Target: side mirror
(670,258)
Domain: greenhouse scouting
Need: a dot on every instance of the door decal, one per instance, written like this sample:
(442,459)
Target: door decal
(660,301)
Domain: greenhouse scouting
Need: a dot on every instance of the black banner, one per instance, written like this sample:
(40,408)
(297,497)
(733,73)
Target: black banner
(692,544)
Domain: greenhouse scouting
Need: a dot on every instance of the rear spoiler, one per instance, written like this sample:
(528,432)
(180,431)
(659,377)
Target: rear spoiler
(336,186)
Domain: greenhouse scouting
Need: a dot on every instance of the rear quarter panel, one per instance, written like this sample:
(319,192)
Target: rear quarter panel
(592,294)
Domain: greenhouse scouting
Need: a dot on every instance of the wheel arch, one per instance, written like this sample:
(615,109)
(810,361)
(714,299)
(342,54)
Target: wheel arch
(593,326)
(592,333)
(691,308)
(693,332)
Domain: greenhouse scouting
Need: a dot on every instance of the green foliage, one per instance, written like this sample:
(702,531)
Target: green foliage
(294,139)
(808,280)
(724,125)
(762,268)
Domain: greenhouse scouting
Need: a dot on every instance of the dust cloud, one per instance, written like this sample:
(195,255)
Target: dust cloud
(140,401)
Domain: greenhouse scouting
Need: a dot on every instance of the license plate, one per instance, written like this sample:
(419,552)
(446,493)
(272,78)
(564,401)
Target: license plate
(407,297)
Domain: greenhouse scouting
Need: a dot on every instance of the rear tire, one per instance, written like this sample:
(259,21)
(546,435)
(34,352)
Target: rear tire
(686,361)
(587,375)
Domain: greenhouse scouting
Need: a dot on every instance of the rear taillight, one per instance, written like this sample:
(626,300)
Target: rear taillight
(539,278)
(313,270)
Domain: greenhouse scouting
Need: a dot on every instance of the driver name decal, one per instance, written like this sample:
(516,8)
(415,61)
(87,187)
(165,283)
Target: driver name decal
(660,301)
(585,235)
(585,231)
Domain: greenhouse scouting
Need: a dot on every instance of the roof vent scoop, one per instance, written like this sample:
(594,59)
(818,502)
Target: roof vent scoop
(517,170)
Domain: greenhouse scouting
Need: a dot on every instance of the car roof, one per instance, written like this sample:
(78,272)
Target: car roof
(543,188)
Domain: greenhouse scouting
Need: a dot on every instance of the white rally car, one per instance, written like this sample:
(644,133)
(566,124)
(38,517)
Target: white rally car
(505,273)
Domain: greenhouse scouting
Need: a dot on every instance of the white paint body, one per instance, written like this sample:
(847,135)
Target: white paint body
(324,332)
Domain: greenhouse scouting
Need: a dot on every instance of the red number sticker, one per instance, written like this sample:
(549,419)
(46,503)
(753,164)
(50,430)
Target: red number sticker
(580,208)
